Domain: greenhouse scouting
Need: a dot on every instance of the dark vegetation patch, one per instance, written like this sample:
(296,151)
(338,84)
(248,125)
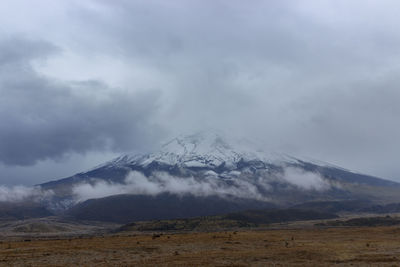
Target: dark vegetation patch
(22,210)
(366,221)
(388,208)
(335,206)
(250,218)
(276,216)
(130,208)
(40,228)
(349,206)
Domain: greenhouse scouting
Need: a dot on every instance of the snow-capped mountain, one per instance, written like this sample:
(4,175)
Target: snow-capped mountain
(208,166)
(203,150)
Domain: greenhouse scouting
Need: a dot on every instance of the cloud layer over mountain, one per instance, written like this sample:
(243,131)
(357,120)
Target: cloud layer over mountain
(138,184)
(316,78)
(24,193)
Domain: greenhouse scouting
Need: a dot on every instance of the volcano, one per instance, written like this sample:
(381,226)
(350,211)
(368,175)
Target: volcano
(208,173)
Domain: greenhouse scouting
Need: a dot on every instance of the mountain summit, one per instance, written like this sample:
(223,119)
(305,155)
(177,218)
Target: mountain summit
(203,150)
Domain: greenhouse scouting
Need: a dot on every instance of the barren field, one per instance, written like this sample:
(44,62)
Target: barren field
(378,246)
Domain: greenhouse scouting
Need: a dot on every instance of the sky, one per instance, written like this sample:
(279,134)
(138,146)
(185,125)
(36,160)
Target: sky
(82,82)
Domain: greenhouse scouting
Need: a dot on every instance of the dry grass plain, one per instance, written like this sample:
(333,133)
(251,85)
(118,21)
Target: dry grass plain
(363,246)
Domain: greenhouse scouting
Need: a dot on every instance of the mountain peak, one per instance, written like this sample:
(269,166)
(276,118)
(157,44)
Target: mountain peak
(201,142)
(204,149)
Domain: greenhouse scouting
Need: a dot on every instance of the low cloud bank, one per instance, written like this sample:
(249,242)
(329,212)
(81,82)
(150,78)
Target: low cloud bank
(137,183)
(23,193)
(161,182)
(304,179)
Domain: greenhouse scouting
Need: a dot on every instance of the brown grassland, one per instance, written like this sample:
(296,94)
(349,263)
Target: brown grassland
(354,246)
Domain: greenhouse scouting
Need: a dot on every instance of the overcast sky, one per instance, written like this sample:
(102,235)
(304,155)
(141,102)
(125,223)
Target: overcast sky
(83,81)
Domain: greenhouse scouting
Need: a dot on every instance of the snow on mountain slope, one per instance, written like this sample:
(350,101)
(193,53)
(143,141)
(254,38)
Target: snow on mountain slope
(204,149)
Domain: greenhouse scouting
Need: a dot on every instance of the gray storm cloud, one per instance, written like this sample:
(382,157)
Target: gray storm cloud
(44,118)
(316,78)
